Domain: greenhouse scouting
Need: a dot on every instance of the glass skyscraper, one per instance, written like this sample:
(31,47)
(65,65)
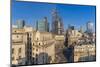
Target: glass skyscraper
(42,25)
(20,23)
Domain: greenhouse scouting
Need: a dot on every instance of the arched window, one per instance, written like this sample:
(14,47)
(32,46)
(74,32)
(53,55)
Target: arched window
(12,50)
(33,44)
(39,43)
(15,31)
(33,48)
(19,50)
(12,58)
(36,49)
(36,58)
(33,53)
(19,57)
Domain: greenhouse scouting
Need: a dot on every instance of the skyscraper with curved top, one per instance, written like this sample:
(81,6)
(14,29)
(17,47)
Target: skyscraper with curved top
(57,24)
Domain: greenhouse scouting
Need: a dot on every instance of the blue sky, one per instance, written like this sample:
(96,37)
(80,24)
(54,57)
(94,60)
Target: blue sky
(71,14)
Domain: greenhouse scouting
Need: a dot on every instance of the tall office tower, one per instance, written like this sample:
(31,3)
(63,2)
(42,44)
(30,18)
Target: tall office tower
(20,24)
(69,26)
(42,25)
(89,27)
(47,27)
(46,24)
(57,24)
(37,25)
(81,29)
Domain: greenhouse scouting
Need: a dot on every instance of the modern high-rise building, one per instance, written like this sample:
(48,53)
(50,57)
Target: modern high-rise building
(20,24)
(89,27)
(81,29)
(57,24)
(46,24)
(42,25)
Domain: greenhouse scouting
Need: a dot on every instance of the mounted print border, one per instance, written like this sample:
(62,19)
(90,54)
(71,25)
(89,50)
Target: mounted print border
(52,33)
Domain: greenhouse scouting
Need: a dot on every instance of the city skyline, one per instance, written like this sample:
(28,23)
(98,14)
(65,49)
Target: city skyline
(54,33)
(76,15)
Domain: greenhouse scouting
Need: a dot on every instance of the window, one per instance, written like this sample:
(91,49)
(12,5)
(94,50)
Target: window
(33,48)
(39,43)
(36,58)
(19,57)
(33,59)
(36,49)
(33,53)
(12,58)
(33,44)
(15,30)
(19,50)
(12,50)
(36,55)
